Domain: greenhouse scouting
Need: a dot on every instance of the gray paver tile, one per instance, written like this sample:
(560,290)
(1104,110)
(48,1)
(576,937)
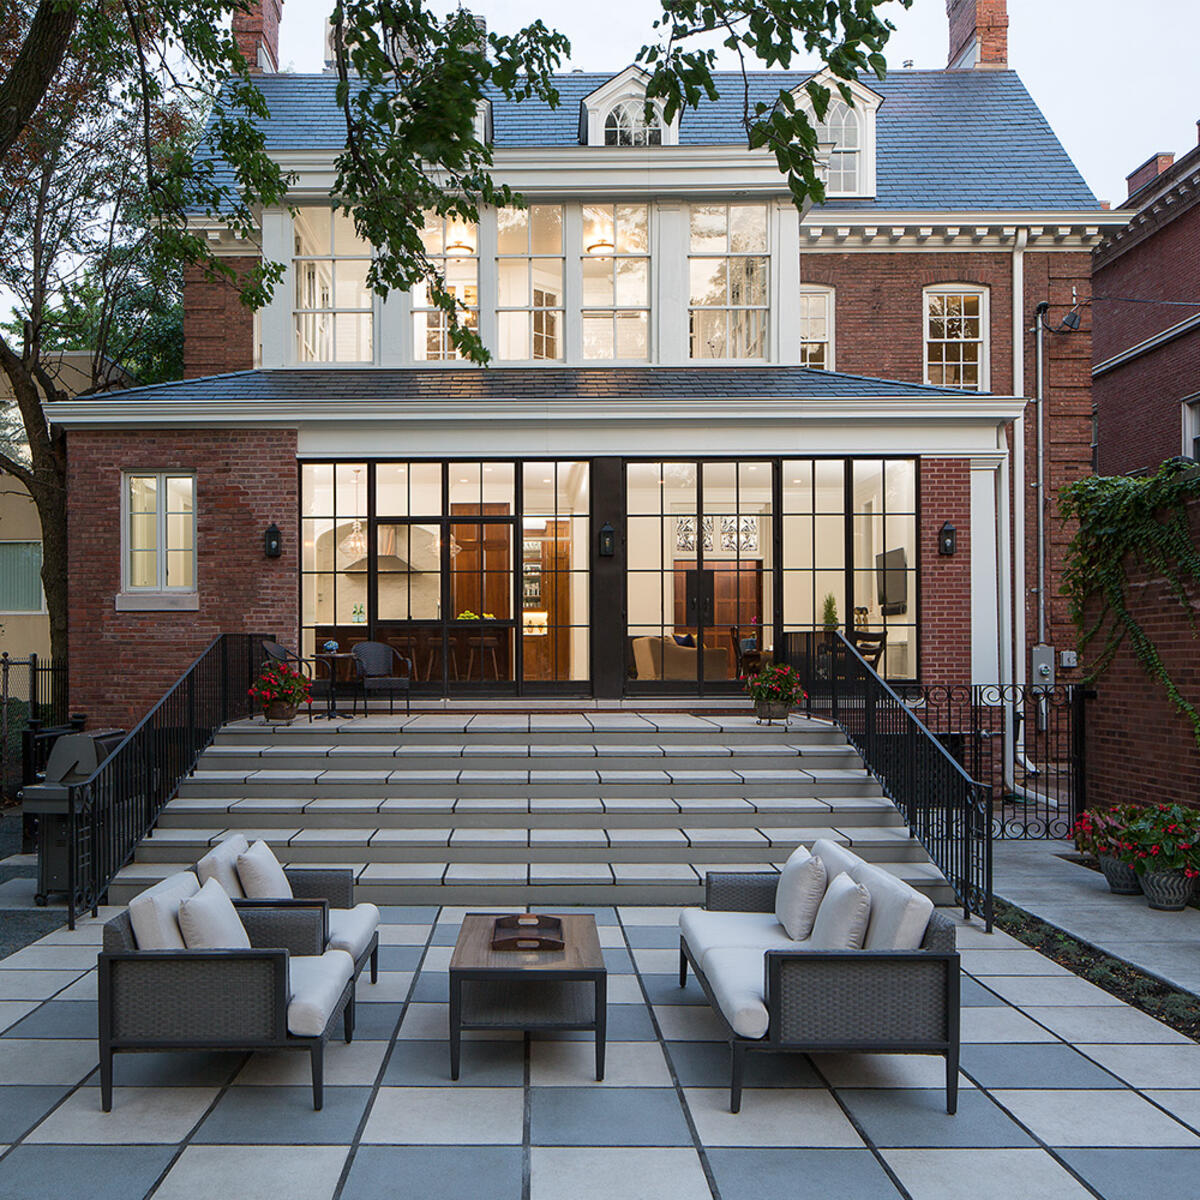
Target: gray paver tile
(1040,1065)
(1184,1103)
(484,1064)
(771,1117)
(1106,1024)
(592,1116)
(357,1063)
(573,1063)
(751,1174)
(255,1172)
(34,1060)
(97,1172)
(1048,991)
(1128,1174)
(35,984)
(918,1117)
(606,1173)
(1095,1118)
(884,1070)
(284,1116)
(1150,1066)
(459,1116)
(23,1107)
(58,1019)
(445,1172)
(140,1115)
(688,1023)
(983,1175)
(706,1064)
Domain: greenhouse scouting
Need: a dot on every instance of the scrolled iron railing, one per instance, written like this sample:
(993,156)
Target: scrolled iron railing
(947,811)
(109,813)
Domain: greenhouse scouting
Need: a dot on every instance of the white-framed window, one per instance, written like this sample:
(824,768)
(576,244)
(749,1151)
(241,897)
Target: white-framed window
(626,125)
(728,268)
(816,327)
(21,578)
(841,127)
(956,336)
(615,260)
(529,267)
(453,247)
(334,308)
(1191,428)
(159,531)
(848,132)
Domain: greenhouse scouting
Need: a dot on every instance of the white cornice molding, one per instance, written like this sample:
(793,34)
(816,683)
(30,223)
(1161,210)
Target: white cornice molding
(1146,345)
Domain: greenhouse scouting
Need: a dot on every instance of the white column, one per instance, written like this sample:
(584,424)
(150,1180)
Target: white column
(275,317)
(785,286)
(671,291)
(572,285)
(393,330)
(488,275)
(987,572)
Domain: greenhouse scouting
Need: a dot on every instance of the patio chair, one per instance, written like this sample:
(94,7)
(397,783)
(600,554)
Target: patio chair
(870,644)
(318,685)
(283,991)
(377,663)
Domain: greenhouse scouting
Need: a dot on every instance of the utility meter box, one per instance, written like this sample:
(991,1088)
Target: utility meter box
(1042,666)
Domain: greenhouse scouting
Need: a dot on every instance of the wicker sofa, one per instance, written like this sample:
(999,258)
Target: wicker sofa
(772,993)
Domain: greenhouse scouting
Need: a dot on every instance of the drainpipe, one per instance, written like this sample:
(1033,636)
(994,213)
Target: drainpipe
(1040,324)
(1016,648)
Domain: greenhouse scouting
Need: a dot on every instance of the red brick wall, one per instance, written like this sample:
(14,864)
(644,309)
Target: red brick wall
(218,330)
(986,18)
(1139,747)
(123,661)
(258,25)
(945,581)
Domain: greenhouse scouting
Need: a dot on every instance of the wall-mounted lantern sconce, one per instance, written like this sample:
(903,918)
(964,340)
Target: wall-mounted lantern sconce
(947,539)
(272,541)
(608,541)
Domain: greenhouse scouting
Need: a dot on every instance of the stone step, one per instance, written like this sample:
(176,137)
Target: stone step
(616,844)
(486,884)
(547,813)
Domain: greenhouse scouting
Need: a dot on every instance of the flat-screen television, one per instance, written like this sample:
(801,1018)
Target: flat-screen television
(891,581)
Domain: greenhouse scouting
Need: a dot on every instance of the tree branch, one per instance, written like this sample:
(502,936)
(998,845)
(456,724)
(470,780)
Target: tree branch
(41,55)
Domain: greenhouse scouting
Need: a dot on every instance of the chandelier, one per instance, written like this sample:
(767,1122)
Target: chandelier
(354,544)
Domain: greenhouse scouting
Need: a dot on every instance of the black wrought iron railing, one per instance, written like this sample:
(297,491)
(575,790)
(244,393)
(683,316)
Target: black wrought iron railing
(109,813)
(947,811)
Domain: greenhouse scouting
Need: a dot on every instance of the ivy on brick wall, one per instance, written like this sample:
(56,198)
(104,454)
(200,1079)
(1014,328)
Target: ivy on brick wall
(1132,522)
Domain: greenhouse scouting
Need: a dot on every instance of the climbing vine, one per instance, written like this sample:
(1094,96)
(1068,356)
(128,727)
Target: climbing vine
(1127,520)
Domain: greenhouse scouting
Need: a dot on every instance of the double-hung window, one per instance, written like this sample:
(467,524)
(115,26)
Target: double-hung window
(452,246)
(529,264)
(840,128)
(956,337)
(616,281)
(728,269)
(816,328)
(334,307)
(160,532)
(21,577)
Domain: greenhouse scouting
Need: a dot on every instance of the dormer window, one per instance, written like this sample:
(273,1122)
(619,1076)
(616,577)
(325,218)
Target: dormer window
(840,128)
(849,131)
(626,125)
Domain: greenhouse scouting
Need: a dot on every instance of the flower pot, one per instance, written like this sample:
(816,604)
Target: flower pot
(280,710)
(1167,890)
(1122,878)
(771,710)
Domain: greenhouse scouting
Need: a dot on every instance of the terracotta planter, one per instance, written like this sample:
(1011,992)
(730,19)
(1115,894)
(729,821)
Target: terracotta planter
(280,710)
(771,710)
(1122,878)
(1168,891)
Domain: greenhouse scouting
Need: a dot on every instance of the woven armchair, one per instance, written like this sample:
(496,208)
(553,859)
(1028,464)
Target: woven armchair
(382,668)
(214,999)
(819,1001)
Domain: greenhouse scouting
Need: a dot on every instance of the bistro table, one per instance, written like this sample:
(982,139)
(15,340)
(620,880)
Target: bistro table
(530,990)
(333,658)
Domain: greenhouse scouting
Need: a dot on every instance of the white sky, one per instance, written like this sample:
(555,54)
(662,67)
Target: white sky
(1116,79)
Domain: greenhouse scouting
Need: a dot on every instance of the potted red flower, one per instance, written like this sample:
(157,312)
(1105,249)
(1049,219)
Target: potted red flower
(1162,843)
(279,691)
(775,690)
(1101,832)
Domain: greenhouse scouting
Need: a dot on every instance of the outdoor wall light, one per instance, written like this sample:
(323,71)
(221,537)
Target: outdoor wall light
(608,541)
(947,539)
(272,541)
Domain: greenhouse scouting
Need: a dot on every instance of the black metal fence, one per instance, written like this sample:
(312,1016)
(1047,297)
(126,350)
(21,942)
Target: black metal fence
(32,689)
(109,813)
(946,809)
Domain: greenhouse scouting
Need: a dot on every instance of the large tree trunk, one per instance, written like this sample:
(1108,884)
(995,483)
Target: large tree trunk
(51,504)
(22,89)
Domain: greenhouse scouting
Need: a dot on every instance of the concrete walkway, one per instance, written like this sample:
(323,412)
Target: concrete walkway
(1033,876)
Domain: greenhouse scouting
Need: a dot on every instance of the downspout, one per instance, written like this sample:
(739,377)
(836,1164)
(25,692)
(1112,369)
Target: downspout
(1016,649)
(1040,321)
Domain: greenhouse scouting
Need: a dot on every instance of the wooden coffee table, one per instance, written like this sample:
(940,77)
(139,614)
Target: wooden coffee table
(530,990)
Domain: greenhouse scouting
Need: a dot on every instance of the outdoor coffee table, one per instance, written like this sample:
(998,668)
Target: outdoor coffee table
(531,990)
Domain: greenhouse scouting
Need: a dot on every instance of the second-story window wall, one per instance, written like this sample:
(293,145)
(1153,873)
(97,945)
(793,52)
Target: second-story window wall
(728,269)
(529,264)
(816,328)
(333,315)
(453,247)
(955,337)
(616,281)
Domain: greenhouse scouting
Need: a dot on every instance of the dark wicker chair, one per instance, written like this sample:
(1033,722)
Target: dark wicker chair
(319,684)
(870,644)
(833,1001)
(213,999)
(377,663)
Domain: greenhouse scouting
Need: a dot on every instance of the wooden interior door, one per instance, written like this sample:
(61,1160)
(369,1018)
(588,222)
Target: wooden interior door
(481,582)
(737,601)
(546,588)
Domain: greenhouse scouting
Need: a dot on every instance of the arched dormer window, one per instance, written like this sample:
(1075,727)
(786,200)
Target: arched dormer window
(841,128)
(849,129)
(626,125)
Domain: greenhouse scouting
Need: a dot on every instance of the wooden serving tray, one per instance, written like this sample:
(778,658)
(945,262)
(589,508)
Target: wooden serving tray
(528,931)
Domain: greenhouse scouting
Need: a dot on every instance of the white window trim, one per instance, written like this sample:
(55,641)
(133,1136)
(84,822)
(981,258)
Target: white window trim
(415,310)
(630,84)
(581,255)
(830,295)
(567,307)
(866,106)
(1190,412)
(133,599)
(985,328)
(25,612)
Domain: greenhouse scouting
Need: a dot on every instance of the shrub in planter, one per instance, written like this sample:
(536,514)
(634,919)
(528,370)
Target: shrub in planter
(1160,843)
(775,690)
(279,690)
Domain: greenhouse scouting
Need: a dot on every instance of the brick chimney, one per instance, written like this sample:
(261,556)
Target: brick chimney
(256,32)
(1149,171)
(978,33)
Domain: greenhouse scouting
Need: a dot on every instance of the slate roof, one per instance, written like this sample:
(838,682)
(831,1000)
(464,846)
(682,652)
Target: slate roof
(945,139)
(534,383)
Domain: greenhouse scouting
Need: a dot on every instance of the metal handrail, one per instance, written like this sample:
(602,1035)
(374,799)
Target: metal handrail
(947,811)
(112,810)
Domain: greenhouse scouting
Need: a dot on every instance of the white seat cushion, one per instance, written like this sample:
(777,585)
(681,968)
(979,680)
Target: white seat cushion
(208,921)
(220,863)
(154,913)
(736,976)
(841,922)
(799,891)
(899,913)
(836,859)
(705,931)
(316,983)
(350,929)
(261,876)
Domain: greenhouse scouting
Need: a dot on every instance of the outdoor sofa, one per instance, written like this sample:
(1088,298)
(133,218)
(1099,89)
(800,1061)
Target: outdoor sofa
(893,988)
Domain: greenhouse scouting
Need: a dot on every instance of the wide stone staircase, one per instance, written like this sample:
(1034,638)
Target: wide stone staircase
(585,807)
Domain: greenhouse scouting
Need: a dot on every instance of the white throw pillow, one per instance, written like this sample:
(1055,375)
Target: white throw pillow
(798,893)
(899,913)
(841,922)
(154,913)
(220,863)
(208,921)
(261,876)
